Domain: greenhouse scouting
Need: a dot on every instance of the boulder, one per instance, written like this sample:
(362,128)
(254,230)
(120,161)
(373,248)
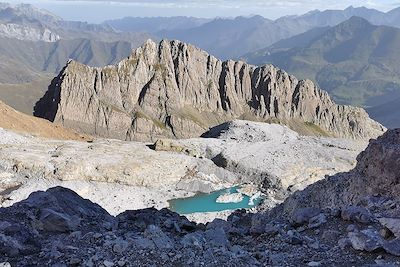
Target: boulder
(304,215)
(357,214)
(393,224)
(53,221)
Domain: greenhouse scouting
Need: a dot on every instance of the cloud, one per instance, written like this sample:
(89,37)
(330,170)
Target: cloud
(300,5)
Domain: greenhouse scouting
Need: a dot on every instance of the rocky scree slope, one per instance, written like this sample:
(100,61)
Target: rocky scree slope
(177,90)
(29,125)
(362,231)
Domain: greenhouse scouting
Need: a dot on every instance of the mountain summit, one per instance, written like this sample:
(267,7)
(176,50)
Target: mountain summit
(173,89)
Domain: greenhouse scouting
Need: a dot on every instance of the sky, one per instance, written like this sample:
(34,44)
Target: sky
(100,10)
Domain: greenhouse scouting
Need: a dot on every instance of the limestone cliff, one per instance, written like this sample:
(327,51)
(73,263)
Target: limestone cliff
(177,90)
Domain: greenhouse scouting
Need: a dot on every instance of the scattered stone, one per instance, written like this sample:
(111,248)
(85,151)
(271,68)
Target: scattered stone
(74,261)
(317,221)
(367,240)
(120,247)
(393,224)
(121,263)
(385,233)
(357,214)
(144,243)
(271,230)
(145,238)
(314,263)
(53,221)
(98,235)
(330,235)
(216,237)
(195,240)
(352,228)
(304,215)
(160,239)
(344,243)
(108,263)
(392,247)
(293,238)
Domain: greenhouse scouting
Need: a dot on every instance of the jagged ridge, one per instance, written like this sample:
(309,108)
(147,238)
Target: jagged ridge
(177,90)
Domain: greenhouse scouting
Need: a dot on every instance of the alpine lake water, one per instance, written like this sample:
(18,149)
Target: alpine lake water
(203,202)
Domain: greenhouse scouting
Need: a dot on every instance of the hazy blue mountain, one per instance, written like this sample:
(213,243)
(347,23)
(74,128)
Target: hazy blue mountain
(155,24)
(231,38)
(387,113)
(355,61)
(324,18)
(228,38)
(24,61)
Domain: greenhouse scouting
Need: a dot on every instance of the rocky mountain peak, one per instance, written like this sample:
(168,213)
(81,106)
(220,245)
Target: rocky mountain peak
(173,89)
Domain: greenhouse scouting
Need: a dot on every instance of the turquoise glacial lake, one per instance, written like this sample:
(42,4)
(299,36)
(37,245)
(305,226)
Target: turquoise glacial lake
(207,202)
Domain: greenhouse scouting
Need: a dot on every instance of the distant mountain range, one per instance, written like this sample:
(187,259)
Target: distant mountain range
(34,41)
(355,61)
(155,24)
(27,19)
(229,38)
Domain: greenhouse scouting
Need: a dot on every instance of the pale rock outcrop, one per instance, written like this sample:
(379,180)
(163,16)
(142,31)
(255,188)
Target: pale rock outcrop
(173,89)
(11,30)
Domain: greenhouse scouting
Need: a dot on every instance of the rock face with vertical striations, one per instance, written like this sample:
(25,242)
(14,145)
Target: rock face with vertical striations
(177,90)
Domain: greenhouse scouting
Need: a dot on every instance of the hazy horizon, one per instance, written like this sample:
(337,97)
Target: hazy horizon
(97,11)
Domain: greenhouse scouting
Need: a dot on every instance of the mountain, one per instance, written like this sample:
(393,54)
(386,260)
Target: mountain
(27,60)
(355,61)
(325,18)
(27,22)
(177,90)
(27,67)
(388,113)
(230,38)
(155,24)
